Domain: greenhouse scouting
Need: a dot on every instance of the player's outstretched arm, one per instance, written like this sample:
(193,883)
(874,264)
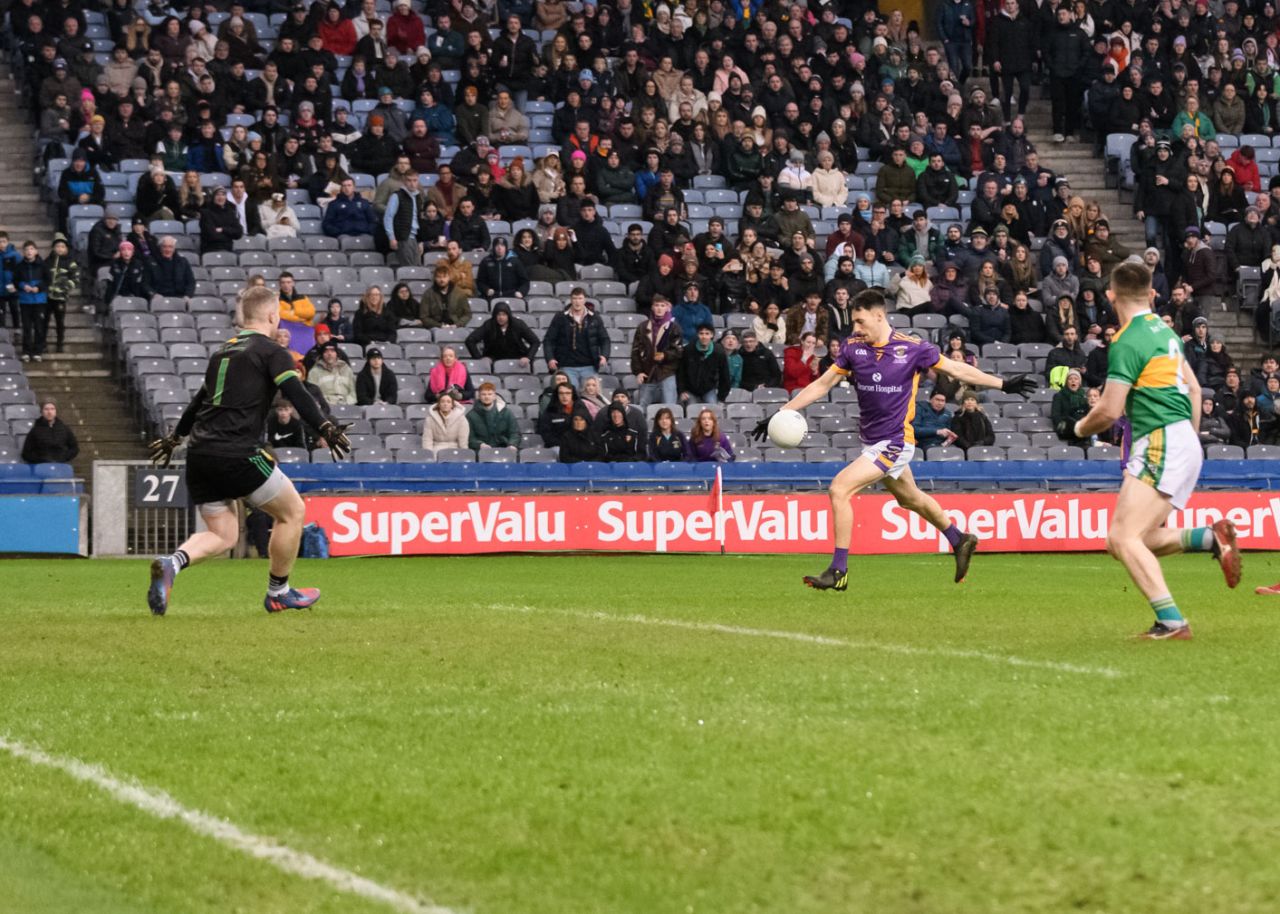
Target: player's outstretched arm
(1109,409)
(160,451)
(814,391)
(333,434)
(1021,384)
(188,420)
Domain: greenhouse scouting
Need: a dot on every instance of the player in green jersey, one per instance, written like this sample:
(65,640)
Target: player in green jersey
(1148,378)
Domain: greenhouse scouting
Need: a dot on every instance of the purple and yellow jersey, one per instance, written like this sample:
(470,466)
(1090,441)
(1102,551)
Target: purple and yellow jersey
(887,379)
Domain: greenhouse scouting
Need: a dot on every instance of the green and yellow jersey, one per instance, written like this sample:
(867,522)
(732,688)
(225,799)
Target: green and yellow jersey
(1147,355)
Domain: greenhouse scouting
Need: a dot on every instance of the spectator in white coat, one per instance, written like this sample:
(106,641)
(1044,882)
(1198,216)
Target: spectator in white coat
(445,426)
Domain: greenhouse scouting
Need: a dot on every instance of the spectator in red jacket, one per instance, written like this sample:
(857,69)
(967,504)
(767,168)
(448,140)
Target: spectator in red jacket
(1242,162)
(404,29)
(337,33)
(800,363)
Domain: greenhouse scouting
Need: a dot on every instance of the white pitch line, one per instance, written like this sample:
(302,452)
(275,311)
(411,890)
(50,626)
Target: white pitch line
(906,650)
(160,805)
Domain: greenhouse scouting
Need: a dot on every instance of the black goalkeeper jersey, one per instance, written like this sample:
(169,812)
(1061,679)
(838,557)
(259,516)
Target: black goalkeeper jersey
(230,411)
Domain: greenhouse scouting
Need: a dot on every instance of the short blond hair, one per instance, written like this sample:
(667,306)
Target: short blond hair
(1131,282)
(258,303)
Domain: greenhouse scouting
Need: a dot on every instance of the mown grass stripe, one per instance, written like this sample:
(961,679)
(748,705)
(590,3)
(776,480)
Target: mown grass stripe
(160,805)
(906,650)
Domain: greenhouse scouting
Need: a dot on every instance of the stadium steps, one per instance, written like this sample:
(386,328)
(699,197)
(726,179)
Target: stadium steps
(1077,162)
(22,213)
(90,399)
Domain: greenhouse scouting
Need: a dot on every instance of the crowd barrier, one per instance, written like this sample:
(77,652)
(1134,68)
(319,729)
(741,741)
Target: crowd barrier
(538,477)
(447,509)
(44,524)
(744,523)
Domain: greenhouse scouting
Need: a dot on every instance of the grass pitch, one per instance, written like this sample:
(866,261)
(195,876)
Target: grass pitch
(502,734)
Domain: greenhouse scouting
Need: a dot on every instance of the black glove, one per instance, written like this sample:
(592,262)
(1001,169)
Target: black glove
(161,450)
(335,436)
(1024,385)
(761,431)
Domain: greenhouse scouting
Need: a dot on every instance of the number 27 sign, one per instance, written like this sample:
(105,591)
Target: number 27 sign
(159,489)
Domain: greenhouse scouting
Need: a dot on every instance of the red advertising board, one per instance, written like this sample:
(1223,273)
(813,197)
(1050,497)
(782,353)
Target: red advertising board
(466,524)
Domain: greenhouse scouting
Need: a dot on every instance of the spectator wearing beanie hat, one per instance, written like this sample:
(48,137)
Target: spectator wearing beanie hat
(334,377)
(1227,200)
(661,282)
(471,160)
(376,383)
(1060,281)
(323,337)
(405,31)
(375,152)
(78,185)
(615,182)
(515,195)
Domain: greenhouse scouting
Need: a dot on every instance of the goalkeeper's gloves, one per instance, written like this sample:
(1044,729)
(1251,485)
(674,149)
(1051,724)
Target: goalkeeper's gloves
(335,436)
(161,450)
(1024,385)
(761,431)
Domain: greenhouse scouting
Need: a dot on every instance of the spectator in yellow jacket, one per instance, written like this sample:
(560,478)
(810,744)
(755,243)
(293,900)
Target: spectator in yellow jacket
(294,306)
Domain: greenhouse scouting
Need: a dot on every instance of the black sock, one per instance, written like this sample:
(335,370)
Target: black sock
(181,559)
(277,584)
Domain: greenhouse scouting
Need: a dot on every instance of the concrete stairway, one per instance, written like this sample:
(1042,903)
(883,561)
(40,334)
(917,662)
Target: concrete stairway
(1077,162)
(81,378)
(90,398)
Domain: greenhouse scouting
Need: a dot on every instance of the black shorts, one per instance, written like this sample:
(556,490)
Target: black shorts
(217,477)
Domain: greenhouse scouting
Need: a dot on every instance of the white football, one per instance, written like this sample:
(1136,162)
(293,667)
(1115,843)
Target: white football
(787,428)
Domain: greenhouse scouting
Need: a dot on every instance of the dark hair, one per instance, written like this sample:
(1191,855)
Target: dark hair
(658,416)
(868,299)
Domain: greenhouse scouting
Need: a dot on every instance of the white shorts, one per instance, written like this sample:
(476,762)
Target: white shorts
(891,457)
(1168,460)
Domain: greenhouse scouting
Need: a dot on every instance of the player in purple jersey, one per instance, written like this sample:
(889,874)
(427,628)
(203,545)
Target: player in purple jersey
(885,367)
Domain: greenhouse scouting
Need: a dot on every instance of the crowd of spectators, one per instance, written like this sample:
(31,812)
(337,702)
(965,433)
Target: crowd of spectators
(943,201)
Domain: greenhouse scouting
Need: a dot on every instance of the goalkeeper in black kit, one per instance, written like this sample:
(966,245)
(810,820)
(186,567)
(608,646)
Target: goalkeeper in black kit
(225,460)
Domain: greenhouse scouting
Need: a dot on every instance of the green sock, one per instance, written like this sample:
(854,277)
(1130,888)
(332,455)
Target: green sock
(1197,539)
(1167,611)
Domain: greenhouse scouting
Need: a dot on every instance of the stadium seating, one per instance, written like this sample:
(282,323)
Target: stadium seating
(161,345)
(38,479)
(18,408)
